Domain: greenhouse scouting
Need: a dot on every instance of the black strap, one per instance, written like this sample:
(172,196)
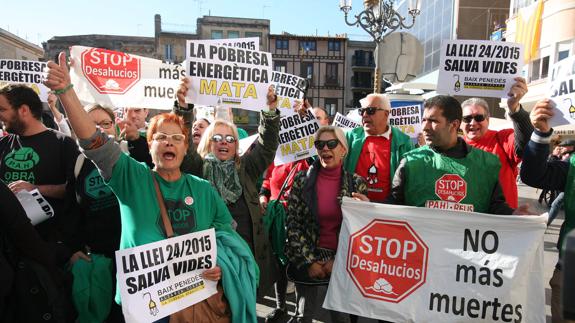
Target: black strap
(284,185)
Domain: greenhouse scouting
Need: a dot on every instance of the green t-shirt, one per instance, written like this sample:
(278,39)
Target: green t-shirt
(437,181)
(192,204)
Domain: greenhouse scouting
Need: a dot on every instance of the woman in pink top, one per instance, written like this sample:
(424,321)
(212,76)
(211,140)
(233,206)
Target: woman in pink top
(314,220)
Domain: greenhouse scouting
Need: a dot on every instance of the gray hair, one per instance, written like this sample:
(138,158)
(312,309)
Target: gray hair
(382,98)
(339,134)
(477,101)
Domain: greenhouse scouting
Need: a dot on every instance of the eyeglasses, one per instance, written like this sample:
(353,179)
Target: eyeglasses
(331,144)
(370,110)
(477,118)
(175,137)
(228,138)
(106,124)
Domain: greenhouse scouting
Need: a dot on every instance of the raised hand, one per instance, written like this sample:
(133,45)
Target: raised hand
(541,113)
(518,90)
(183,91)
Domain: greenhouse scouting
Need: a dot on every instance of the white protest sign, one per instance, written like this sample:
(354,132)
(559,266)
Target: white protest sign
(246,143)
(227,76)
(296,138)
(478,67)
(289,89)
(161,278)
(562,91)
(251,43)
(24,72)
(406,116)
(35,205)
(344,122)
(118,79)
(407,264)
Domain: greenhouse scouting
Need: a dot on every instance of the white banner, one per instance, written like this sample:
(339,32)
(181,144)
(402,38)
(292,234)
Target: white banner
(227,76)
(118,79)
(251,43)
(479,67)
(161,278)
(24,72)
(562,91)
(289,89)
(406,264)
(344,122)
(35,205)
(296,138)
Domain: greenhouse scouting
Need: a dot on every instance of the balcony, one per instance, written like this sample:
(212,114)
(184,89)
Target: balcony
(362,61)
(361,83)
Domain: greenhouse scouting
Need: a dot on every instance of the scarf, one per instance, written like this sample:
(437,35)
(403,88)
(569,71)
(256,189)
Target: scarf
(224,177)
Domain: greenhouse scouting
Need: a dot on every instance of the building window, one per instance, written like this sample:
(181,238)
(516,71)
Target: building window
(233,34)
(217,34)
(307,45)
(331,106)
(280,66)
(331,74)
(563,50)
(540,68)
(334,45)
(169,52)
(282,44)
(307,70)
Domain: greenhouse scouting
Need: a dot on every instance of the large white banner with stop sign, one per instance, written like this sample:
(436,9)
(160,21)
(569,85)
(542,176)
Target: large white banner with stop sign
(406,264)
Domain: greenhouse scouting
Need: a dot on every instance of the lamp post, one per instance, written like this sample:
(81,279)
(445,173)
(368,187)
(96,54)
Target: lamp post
(379,18)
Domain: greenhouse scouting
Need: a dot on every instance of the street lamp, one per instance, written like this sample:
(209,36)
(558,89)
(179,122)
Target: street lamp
(378,19)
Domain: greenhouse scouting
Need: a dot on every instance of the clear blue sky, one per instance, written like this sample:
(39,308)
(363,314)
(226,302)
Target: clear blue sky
(39,20)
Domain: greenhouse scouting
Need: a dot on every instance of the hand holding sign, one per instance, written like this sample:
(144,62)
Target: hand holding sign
(58,75)
(18,186)
(541,113)
(212,274)
(183,91)
(272,98)
(518,90)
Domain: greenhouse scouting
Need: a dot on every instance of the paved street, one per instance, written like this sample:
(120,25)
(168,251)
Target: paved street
(526,195)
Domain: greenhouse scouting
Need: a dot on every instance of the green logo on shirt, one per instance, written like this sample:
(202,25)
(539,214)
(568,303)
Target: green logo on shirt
(95,186)
(24,158)
(182,216)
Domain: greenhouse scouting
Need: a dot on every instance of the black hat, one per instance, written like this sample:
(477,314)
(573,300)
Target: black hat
(569,142)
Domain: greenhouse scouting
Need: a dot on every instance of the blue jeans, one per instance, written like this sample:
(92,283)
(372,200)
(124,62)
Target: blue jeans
(555,208)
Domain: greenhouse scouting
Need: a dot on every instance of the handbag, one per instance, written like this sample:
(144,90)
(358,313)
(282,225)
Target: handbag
(274,222)
(213,309)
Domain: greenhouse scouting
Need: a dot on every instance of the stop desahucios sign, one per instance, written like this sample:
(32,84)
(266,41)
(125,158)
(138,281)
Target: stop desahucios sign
(110,72)
(387,260)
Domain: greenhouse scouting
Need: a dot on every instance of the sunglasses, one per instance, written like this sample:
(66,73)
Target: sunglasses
(228,138)
(331,144)
(175,137)
(106,124)
(477,118)
(370,110)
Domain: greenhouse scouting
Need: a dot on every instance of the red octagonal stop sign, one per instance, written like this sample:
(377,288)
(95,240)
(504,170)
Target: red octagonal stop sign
(109,71)
(387,260)
(451,187)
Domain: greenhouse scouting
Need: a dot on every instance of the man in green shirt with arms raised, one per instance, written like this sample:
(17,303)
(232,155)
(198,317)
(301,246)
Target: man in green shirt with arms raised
(447,173)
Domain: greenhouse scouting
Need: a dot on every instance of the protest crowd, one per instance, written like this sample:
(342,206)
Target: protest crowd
(123,186)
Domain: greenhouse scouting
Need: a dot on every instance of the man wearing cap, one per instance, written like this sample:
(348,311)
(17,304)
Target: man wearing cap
(447,157)
(507,144)
(376,148)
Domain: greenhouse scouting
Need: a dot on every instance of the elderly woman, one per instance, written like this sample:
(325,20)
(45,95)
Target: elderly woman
(314,220)
(133,184)
(235,177)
